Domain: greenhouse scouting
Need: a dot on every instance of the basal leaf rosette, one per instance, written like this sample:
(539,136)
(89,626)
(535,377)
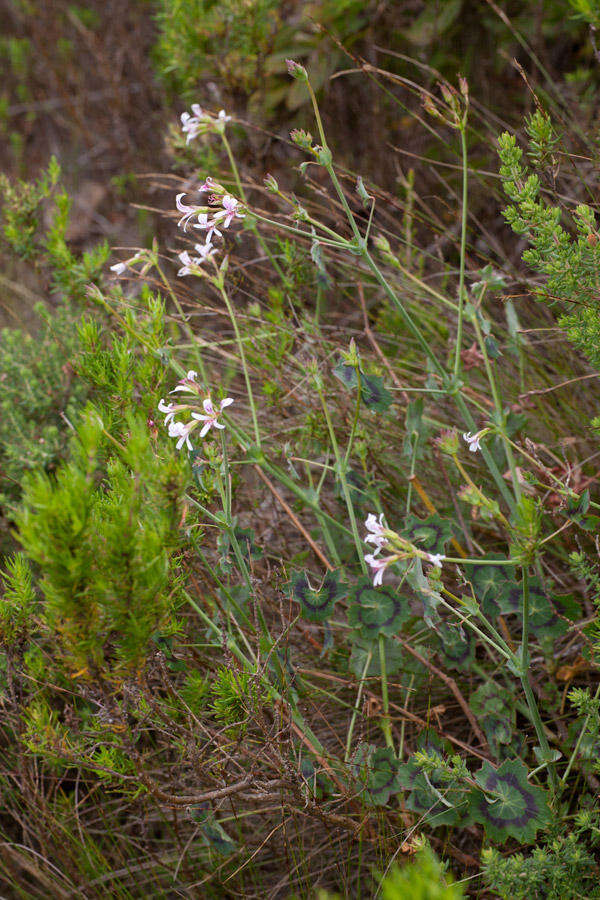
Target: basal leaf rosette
(376,769)
(431,534)
(510,806)
(374,611)
(316,604)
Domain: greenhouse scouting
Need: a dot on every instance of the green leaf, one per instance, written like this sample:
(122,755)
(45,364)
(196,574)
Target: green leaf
(518,810)
(489,581)
(374,611)
(394,658)
(316,604)
(373,394)
(424,797)
(377,769)
(212,832)
(431,534)
(457,647)
(495,711)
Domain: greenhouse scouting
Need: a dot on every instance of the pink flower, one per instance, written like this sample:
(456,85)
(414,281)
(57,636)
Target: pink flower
(192,263)
(211,419)
(231,210)
(188,384)
(168,408)
(473,440)
(208,225)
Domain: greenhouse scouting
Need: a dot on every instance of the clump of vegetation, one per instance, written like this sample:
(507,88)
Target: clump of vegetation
(305,576)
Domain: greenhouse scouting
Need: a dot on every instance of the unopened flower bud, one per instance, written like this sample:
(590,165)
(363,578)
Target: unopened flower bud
(271,184)
(296,70)
(301,138)
(448,442)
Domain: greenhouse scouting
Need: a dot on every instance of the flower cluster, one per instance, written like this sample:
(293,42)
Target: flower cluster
(202,122)
(221,210)
(383,538)
(209,417)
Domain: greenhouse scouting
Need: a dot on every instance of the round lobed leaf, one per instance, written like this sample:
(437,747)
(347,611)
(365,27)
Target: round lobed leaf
(519,809)
(374,611)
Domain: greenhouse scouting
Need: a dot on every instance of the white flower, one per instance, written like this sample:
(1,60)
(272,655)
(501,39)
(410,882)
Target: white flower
(181,431)
(201,122)
(211,419)
(379,564)
(376,531)
(169,409)
(473,440)
(192,263)
(208,225)
(121,267)
(188,383)
(188,211)
(436,559)
(230,211)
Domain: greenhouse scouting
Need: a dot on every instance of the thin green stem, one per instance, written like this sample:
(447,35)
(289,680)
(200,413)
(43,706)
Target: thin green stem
(386,724)
(240,344)
(341,469)
(356,709)
(524,675)
(463,248)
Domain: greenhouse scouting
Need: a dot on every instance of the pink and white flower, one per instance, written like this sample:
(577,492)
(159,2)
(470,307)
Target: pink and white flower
(121,267)
(376,531)
(379,564)
(211,417)
(181,431)
(169,408)
(191,264)
(473,440)
(188,211)
(230,210)
(188,384)
(201,122)
(208,225)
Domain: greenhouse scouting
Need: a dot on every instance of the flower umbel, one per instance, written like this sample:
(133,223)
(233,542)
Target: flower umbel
(205,420)
(202,122)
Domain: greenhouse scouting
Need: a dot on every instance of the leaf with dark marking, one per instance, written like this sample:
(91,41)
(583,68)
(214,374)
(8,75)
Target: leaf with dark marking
(374,611)
(509,806)
(316,604)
